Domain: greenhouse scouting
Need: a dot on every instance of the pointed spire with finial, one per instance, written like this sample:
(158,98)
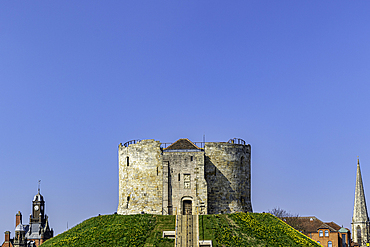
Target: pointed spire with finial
(39,187)
(359,209)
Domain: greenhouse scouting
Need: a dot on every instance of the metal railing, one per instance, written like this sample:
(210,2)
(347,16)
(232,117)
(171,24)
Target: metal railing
(198,144)
(237,141)
(131,142)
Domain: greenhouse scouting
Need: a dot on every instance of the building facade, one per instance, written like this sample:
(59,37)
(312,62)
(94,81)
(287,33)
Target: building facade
(328,234)
(184,178)
(36,232)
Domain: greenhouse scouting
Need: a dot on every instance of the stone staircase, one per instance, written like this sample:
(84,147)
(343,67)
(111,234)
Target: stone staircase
(187,234)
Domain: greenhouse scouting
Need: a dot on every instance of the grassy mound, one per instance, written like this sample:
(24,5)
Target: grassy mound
(240,229)
(250,229)
(117,230)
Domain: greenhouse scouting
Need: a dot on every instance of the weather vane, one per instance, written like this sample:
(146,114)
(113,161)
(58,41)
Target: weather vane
(39,186)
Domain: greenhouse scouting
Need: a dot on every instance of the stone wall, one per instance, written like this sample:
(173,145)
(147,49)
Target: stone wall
(140,178)
(186,180)
(216,179)
(228,176)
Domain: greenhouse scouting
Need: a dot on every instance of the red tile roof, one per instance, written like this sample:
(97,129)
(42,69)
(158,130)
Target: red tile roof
(311,224)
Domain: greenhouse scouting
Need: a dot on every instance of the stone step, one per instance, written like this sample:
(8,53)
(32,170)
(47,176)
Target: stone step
(187,234)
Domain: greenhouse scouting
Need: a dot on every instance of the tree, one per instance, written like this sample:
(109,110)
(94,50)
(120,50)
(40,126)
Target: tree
(280,213)
(291,219)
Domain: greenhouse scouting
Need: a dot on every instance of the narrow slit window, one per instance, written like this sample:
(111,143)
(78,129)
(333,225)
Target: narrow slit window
(191,158)
(179,176)
(157,171)
(127,161)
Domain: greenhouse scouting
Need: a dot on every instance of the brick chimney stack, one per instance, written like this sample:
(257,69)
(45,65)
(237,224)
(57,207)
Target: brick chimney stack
(7,239)
(18,218)
(7,236)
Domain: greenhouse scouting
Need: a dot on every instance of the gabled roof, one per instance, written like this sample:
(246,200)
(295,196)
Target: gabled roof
(333,225)
(312,224)
(326,226)
(182,144)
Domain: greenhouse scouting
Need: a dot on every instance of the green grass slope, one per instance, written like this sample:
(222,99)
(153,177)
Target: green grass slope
(117,230)
(240,229)
(250,229)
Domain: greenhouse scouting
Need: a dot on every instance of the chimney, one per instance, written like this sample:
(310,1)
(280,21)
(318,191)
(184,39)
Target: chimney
(7,236)
(18,218)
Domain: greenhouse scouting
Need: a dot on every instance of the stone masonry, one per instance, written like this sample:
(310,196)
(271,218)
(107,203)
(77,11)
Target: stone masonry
(184,178)
(360,219)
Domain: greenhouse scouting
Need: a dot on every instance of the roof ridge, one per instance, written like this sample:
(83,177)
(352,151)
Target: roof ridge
(325,225)
(178,142)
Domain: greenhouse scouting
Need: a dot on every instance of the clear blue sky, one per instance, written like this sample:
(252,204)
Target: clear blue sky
(79,77)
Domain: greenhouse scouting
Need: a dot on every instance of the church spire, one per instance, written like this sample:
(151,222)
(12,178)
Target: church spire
(359,209)
(360,219)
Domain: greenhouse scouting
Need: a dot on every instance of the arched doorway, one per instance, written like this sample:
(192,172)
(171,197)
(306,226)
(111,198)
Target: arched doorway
(187,207)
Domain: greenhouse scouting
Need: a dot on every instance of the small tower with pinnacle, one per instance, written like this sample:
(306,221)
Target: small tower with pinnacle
(38,208)
(360,220)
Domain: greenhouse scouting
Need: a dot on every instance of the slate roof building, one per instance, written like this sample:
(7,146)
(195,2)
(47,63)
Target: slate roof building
(327,234)
(36,232)
(360,219)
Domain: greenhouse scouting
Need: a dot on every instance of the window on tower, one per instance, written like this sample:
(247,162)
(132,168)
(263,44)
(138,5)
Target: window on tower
(128,200)
(187,181)
(344,240)
(358,234)
(326,233)
(321,233)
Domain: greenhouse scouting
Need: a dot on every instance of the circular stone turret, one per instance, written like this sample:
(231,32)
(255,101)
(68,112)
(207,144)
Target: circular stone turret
(140,178)
(228,176)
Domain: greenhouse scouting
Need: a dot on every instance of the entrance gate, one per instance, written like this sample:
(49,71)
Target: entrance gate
(187,207)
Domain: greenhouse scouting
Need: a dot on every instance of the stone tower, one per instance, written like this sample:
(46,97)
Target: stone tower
(360,219)
(184,177)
